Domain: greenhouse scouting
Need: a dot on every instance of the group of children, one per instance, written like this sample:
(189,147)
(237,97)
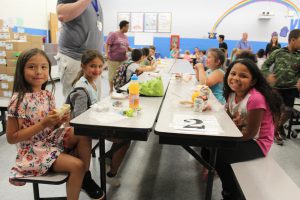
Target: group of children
(46,142)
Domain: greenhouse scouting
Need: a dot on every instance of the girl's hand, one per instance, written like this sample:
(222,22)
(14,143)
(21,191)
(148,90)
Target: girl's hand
(66,117)
(51,120)
(298,85)
(200,66)
(271,79)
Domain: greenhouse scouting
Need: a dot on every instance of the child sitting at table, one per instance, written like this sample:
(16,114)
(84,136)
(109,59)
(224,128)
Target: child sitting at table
(84,95)
(35,126)
(254,107)
(187,56)
(213,77)
(147,60)
(174,52)
(135,67)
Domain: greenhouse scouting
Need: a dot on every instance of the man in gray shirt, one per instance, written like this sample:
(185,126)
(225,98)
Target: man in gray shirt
(82,29)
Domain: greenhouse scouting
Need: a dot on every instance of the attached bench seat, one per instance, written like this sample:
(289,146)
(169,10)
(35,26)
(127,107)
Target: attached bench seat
(263,179)
(49,178)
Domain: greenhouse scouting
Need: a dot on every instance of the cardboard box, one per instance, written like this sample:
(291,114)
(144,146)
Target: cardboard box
(1,22)
(10,71)
(23,36)
(2,70)
(35,38)
(5,29)
(5,35)
(2,61)
(2,53)
(36,45)
(11,62)
(17,46)
(12,54)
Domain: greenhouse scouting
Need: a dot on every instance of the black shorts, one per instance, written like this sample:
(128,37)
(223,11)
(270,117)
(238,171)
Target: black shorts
(288,95)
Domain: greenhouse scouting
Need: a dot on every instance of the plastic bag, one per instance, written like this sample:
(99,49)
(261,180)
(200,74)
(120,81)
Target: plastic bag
(152,88)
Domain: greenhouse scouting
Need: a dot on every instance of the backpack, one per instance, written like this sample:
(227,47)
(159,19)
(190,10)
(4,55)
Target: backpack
(120,78)
(72,99)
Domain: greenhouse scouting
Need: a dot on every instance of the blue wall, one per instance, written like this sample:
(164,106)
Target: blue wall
(162,44)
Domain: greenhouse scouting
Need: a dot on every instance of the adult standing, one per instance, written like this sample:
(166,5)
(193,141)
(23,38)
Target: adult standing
(82,24)
(116,49)
(82,29)
(273,44)
(285,75)
(244,44)
(222,44)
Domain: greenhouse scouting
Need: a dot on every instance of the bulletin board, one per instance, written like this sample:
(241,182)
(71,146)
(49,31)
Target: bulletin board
(123,16)
(164,22)
(137,22)
(148,22)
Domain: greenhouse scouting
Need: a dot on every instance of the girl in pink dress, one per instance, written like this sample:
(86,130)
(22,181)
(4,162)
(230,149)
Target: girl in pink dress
(37,130)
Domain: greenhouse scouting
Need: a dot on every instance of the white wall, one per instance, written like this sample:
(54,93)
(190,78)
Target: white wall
(35,13)
(195,18)
(190,18)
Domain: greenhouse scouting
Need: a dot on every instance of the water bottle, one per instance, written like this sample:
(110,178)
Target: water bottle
(134,93)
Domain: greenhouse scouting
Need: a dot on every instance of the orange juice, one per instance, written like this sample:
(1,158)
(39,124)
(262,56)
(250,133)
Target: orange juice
(134,93)
(195,95)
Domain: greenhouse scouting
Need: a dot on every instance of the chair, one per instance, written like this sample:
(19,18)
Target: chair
(49,178)
(295,119)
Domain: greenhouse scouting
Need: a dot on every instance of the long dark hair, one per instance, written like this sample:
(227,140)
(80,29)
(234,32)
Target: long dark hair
(87,57)
(272,98)
(21,86)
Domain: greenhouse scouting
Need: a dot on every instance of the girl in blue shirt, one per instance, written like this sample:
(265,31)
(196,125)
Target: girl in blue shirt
(213,77)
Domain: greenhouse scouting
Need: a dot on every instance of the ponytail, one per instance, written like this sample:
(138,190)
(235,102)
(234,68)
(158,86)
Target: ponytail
(79,75)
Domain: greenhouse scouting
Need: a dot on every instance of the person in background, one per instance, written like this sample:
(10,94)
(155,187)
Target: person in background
(36,127)
(187,56)
(203,57)
(273,44)
(253,107)
(152,52)
(223,44)
(135,67)
(285,76)
(244,44)
(116,48)
(147,60)
(213,77)
(260,56)
(246,54)
(233,54)
(79,19)
(174,52)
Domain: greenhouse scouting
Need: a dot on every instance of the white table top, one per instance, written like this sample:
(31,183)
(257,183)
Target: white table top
(182,66)
(113,119)
(179,91)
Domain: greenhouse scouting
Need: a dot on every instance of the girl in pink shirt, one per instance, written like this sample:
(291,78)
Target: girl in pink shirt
(253,107)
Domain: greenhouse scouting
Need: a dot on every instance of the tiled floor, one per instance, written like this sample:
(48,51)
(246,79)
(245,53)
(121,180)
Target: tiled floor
(150,171)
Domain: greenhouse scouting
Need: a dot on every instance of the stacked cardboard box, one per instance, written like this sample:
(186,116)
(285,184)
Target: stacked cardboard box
(11,46)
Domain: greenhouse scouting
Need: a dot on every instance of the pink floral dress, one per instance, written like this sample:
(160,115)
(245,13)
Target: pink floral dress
(35,155)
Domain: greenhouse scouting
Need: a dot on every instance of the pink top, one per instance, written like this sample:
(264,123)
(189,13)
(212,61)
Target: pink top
(118,45)
(187,57)
(252,101)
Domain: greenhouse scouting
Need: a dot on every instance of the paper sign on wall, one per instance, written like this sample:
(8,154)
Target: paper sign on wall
(143,39)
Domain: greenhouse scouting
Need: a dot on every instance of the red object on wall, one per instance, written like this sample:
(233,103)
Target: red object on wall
(175,39)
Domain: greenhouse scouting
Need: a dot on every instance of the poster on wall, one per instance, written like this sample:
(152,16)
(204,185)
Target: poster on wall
(123,16)
(150,22)
(164,22)
(137,22)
